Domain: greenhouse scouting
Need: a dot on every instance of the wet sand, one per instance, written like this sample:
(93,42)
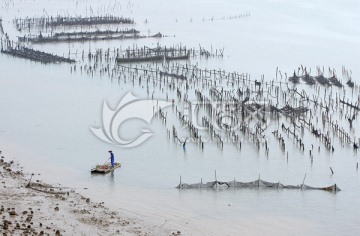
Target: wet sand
(36,208)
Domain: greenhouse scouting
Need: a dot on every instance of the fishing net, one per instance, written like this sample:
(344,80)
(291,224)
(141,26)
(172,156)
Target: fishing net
(253,184)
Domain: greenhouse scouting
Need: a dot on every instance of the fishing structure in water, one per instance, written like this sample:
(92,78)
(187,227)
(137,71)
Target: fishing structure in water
(17,50)
(154,54)
(258,184)
(28,23)
(82,36)
(227,108)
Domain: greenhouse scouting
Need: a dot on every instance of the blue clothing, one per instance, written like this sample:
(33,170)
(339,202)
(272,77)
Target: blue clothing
(112,159)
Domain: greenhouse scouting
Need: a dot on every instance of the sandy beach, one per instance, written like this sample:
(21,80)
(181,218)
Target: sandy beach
(32,207)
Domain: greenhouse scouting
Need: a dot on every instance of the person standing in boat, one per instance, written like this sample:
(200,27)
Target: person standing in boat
(112,159)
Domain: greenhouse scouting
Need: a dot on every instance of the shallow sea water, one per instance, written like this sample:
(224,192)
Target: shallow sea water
(47,112)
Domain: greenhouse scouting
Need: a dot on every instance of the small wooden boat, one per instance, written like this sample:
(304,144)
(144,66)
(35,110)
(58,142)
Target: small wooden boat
(104,169)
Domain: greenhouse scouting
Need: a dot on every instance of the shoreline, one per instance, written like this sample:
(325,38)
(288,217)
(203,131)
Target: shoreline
(31,206)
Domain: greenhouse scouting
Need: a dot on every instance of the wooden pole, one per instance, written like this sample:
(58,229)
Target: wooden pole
(302,185)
